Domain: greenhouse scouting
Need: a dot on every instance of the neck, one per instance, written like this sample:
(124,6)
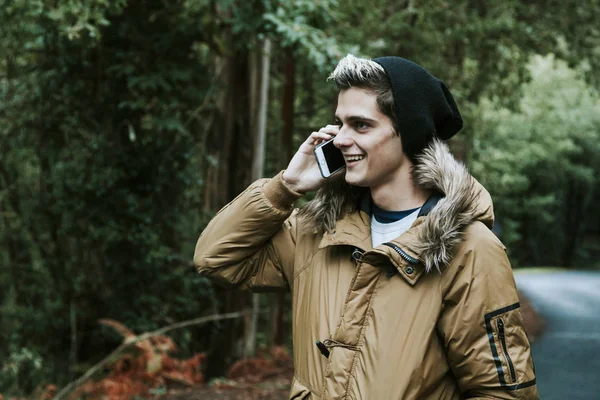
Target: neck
(400,194)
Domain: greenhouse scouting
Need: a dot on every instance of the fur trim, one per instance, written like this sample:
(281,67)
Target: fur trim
(436,169)
(330,203)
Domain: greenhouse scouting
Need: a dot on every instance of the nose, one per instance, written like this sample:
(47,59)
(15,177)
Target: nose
(342,139)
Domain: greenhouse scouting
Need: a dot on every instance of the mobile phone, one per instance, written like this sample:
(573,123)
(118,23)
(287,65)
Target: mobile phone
(329,158)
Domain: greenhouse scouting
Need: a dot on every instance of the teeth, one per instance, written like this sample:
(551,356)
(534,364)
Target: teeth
(354,158)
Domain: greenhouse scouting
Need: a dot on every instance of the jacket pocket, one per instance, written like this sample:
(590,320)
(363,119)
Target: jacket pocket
(298,391)
(503,348)
(510,347)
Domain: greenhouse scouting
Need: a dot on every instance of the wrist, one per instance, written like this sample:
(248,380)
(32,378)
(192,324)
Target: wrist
(291,184)
(279,194)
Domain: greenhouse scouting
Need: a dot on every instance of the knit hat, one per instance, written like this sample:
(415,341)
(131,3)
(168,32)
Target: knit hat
(424,106)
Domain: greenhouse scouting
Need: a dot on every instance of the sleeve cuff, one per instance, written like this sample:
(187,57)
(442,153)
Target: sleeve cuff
(279,195)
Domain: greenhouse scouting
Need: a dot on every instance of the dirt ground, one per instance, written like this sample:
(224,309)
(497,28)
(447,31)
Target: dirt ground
(274,389)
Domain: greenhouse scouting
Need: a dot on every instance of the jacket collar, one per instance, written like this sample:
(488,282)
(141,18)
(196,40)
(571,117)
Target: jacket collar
(354,229)
(433,238)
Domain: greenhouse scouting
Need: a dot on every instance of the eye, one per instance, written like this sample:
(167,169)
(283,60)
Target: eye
(337,122)
(361,125)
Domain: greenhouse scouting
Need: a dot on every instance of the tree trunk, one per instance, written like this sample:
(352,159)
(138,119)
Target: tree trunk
(287,106)
(74,343)
(230,142)
(278,330)
(257,173)
(261,118)
(277,301)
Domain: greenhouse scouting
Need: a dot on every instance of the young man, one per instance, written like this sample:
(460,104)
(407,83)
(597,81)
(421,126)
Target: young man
(400,289)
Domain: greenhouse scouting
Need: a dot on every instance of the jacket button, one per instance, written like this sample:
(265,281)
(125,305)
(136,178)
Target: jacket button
(323,349)
(410,270)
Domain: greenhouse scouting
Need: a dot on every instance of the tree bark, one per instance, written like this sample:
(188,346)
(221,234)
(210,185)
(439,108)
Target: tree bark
(277,301)
(74,343)
(257,172)
(261,118)
(287,106)
(278,329)
(231,142)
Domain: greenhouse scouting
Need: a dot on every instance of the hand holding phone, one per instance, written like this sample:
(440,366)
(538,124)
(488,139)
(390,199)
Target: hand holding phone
(329,158)
(304,174)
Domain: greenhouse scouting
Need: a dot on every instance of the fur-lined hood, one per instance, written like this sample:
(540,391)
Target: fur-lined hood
(461,201)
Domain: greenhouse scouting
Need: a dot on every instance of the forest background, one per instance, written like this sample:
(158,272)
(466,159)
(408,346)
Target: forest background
(125,125)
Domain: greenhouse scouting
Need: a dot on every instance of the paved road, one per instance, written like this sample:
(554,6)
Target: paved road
(567,356)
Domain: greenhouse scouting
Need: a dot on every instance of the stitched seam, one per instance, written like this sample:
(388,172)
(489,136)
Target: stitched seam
(522,385)
(347,299)
(328,368)
(306,385)
(305,266)
(361,341)
(271,255)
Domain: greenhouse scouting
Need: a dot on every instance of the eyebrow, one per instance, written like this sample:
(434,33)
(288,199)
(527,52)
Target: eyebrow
(354,118)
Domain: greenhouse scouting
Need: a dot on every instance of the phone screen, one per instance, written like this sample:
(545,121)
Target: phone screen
(333,156)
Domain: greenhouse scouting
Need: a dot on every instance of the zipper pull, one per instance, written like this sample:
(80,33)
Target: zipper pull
(500,328)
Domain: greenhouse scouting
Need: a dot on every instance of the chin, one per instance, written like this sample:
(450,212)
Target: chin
(355,180)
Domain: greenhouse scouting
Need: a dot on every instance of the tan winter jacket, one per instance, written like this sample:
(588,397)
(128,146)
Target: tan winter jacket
(384,322)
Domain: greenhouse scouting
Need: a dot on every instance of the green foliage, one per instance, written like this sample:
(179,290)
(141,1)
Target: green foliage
(97,154)
(535,159)
(21,371)
(303,24)
(76,19)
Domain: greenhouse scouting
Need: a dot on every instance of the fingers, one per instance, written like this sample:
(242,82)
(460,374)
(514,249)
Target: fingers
(317,137)
(331,129)
(324,134)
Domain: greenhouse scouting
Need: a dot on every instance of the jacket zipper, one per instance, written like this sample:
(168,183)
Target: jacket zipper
(402,253)
(511,367)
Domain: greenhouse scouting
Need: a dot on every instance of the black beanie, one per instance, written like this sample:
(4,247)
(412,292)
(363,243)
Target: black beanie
(424,106)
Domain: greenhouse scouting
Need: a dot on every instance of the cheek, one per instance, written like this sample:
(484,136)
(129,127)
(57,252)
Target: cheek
(387,162)
(388,151)
(384,161)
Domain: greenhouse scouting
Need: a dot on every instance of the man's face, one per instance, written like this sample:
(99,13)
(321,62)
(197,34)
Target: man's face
(371,148)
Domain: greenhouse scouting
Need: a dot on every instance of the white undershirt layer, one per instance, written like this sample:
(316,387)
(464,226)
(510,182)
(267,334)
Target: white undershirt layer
(381,233)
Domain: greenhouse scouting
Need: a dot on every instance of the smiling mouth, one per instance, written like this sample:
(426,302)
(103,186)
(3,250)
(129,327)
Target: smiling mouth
(353,158)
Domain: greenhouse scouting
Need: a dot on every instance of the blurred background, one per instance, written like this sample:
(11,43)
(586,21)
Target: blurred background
(126,125)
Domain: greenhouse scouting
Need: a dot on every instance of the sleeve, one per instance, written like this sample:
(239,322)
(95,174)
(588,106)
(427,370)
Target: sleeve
(480,325)
(250,243)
